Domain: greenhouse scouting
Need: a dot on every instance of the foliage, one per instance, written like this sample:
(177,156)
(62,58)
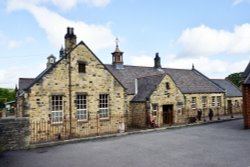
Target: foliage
(6,95)
(235,78)
(1,149)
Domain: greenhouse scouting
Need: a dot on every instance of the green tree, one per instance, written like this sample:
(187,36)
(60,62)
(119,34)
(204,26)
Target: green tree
(6,95)
(235,78)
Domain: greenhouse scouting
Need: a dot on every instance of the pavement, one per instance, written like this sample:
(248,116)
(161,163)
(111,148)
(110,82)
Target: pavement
(222,144)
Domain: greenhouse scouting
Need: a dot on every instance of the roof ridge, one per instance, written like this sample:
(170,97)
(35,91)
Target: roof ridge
(26,78)
(217,79)
(151,75)
(233,84)
(153,67)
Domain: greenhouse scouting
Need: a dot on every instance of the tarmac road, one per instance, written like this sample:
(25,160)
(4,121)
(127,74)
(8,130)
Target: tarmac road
(224,144)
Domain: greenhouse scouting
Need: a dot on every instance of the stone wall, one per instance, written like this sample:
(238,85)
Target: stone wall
(14,133)
(138,114)
(236,105)
(246,105)
(94,81)
(209,104)
(161,96)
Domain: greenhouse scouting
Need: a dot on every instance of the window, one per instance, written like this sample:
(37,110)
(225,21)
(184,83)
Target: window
(103,105)
(213,101)
(167,86)
(204,101)
(193,103)
(57,109)
(81,67)
(218,101)
(237,103)
(154,108)
(167,89)
(81,107)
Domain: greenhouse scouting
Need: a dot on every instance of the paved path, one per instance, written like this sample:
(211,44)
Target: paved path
(219,144)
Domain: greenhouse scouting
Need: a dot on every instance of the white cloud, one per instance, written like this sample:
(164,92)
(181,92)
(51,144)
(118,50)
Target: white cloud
(236,2)
(96,36)
(13,44)
(213,68)
(97,3)
(62,4)
(142,60)
(2,38)
(9,76)
(206,41)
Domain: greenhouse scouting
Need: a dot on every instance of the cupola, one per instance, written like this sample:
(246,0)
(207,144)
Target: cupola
(117,57)
(51,60)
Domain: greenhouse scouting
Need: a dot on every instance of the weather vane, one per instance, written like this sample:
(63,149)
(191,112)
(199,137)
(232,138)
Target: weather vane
(117,41)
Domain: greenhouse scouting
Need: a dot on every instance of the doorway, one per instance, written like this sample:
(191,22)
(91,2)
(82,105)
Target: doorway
(229,107)
(167,114)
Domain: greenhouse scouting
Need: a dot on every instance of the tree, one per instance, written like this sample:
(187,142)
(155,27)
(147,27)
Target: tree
(6,95)
(235,78)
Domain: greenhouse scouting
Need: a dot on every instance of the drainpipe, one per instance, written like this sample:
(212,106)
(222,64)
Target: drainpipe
(70,97)
(136,86)
(147,104)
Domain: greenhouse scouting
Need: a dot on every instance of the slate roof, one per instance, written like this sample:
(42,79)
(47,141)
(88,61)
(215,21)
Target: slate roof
(247,80)
(231,89)
(47,70)
(246,73)
(188,81)
(146,85)
(24,83)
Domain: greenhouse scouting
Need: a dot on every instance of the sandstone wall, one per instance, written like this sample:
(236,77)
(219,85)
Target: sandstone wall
(14,133)
(95,81)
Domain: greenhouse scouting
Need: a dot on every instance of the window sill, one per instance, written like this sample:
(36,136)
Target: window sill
(104,119)
(56,123)
(83,121)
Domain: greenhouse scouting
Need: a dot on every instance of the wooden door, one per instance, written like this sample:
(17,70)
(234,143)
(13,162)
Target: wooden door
(229,106)
(168,114)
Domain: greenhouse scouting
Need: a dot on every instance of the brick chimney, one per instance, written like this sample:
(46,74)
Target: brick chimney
(157,60)
(70,39)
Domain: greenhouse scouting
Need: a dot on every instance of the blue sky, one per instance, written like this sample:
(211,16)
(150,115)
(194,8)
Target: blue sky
(214,35)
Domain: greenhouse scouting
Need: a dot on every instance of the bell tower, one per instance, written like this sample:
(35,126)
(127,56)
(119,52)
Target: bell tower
(117,57)
(51,60)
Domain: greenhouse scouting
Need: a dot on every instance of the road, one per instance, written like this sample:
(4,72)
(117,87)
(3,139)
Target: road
(224,144)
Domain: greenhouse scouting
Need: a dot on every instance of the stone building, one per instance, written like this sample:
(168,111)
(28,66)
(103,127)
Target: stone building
(75,95)
(174,94)
(233,96)
(78,95)
(246,96)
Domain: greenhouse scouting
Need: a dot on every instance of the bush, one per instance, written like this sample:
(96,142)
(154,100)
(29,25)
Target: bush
(1,149)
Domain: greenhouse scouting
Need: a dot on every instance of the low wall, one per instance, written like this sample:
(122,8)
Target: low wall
(14,133)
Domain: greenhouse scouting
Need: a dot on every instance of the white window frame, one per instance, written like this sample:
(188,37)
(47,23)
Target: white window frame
(218,101)
(193,102)
(104,106)
(56,109)
(213,101)
(154,108)
(81,107)
(204,101)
